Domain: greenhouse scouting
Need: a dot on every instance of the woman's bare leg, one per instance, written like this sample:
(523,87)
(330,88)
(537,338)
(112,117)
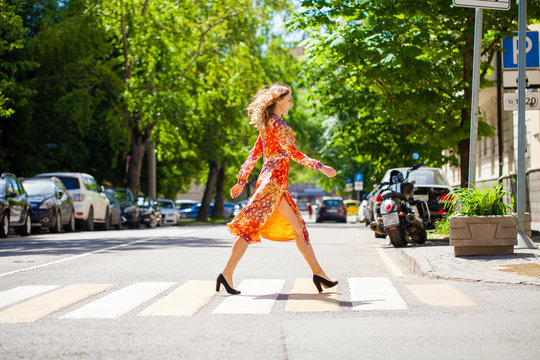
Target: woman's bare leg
(238,250)
(305,249)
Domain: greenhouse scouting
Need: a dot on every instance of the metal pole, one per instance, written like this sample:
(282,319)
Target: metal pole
(474,95)
(523,239)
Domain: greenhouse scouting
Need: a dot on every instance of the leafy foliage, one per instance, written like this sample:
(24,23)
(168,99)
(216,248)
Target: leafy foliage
(480,202)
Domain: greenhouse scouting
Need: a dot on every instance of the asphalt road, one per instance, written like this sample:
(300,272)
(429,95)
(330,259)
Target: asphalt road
(127,294)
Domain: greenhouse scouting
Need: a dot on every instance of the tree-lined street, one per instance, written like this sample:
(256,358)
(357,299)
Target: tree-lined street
(135,308)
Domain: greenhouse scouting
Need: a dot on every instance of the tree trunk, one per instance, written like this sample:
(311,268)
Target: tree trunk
(219,202)
(138,149)
(210,183)
(463,148)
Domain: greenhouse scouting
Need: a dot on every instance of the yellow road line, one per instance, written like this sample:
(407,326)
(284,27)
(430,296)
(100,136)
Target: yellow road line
(305,297)
(186,300)
(440,295)
(49,303)
(389,263)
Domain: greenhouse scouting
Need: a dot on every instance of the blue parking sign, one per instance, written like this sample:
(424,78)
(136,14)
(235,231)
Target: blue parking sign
(510,53)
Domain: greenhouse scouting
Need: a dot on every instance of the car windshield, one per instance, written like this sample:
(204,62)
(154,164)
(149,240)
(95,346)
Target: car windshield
(71,183)
(428,177)
(122,195)
(166,204)
(2,187)
(333,203)
(41,188)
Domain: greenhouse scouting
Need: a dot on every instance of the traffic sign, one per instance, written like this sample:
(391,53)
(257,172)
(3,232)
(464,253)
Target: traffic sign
(510,79)
(532,101)
(511,52)
(358,182)
(486,4)
(348,184)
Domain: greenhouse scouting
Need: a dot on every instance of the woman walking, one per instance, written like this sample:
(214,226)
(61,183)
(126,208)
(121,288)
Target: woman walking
(271,211)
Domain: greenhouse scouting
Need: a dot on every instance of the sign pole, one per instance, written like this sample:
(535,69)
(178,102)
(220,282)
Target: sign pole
(523,239)
(474,96)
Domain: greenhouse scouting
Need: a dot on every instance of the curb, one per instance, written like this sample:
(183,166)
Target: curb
(417,265)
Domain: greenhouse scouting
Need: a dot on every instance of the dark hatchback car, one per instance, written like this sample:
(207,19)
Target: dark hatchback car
(52,206)
(129,213)
(15,209)
(332,208)
(150,212)
(430,185)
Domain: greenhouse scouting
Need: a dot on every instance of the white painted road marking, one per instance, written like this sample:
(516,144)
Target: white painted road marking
(258,296)
(121,301)
(375,293)
(186,300)
(90,253)
(49,303)
(389,263)
(20,293)
(440,295)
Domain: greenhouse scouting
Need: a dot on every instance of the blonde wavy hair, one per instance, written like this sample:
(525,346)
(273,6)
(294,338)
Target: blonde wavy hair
(259,109)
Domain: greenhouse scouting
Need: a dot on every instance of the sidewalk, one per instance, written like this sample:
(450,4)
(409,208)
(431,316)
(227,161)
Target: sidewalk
(436,259)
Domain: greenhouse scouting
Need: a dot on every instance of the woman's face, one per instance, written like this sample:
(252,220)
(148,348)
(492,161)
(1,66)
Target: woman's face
(285,104)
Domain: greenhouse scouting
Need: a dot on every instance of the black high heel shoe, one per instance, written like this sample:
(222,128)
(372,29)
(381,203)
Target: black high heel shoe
(318,281)
(221,280)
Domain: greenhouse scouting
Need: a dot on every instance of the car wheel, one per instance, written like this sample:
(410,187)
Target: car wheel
(88,225)
(4,226)
(70,226)
(152,223)
(107,224)
(26,229)
(57,227)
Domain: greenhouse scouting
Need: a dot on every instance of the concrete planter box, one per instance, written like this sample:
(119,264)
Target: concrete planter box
(483,235)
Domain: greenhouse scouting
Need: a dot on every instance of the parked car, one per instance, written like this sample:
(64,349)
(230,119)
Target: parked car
(332,208)
(184,204)
(91,204)
(230,209)
(430,185)
(15,209)
(193,212)
(370,203)
(116,208)
(169,211)
(129,209)
(52,206)
(150,211)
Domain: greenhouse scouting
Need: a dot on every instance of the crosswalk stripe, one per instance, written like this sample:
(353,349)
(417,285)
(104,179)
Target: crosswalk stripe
(440,295)
(186,300)
(305,297)
(120,302)
(20,293)
(49,303)
(258,296)
(375,293)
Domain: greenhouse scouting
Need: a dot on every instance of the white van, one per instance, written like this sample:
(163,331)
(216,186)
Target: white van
(90,203)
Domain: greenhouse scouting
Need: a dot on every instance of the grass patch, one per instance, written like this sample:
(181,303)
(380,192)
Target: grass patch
(208,222)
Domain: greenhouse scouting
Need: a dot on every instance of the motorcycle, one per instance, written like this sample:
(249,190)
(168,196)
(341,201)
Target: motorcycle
(398,214)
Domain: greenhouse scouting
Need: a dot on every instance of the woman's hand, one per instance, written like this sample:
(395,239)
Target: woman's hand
(328,171)
(236,190)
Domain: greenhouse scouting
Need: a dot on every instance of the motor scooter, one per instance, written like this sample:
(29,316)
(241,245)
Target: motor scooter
(398,214)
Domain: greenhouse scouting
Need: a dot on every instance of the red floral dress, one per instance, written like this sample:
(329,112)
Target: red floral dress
(258,218)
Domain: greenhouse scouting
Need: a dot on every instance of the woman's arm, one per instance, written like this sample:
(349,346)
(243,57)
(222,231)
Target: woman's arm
(252,159)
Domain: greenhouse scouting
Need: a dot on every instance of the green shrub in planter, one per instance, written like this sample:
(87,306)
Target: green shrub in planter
(481,222)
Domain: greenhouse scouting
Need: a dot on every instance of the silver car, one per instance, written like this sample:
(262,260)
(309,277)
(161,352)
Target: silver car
(169,211)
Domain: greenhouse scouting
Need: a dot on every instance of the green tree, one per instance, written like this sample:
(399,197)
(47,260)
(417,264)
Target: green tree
(397,75)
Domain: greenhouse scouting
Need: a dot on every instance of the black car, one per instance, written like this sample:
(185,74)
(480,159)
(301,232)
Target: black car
(52,206)
(15,209)
(332,208)
(127,204)
(150,212)
(430,185)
